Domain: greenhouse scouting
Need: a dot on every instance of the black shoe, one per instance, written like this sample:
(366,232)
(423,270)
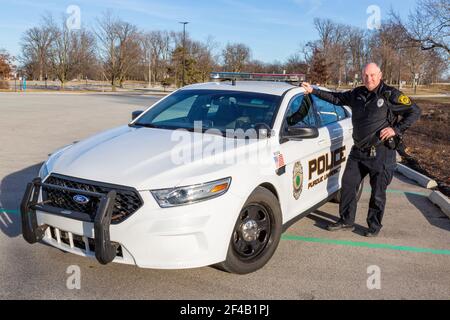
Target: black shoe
(340,226)
(371,234)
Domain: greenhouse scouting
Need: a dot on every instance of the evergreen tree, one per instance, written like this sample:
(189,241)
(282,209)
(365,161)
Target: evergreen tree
(319,73)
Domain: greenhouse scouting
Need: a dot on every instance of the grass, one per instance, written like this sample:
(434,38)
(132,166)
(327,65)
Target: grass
(438,100)
(428,141)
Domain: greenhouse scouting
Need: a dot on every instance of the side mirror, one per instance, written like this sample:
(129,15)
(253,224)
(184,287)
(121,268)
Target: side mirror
(136,114)
(297,133)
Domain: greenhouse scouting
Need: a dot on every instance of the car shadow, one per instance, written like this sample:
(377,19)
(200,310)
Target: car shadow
(323,219)
(12,188)
(434,215)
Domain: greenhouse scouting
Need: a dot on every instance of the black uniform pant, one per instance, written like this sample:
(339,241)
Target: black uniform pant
(381,170)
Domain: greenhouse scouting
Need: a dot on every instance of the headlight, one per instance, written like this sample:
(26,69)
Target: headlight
(43,172)
(186,195)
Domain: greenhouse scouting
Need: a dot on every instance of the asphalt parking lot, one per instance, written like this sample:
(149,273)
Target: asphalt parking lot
(412,253)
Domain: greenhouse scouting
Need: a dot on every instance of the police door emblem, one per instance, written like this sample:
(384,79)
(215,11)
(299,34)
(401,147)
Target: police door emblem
(380,103)
(297,180)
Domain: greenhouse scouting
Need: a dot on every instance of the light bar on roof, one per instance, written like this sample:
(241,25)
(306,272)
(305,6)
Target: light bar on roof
(293,77)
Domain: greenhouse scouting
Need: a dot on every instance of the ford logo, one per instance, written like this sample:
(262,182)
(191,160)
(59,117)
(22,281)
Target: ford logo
(80,199)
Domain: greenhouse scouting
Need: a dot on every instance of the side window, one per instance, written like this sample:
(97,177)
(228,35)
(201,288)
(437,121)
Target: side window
(300,112)
(342,114)
(328,112)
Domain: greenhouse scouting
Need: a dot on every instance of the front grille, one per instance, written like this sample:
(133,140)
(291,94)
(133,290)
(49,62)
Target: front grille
(126,203)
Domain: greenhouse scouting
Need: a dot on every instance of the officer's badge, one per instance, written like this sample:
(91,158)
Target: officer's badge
(297,180)
(380,103)
(404,100)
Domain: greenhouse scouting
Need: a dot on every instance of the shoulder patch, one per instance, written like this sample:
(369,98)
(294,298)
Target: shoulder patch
(405,100)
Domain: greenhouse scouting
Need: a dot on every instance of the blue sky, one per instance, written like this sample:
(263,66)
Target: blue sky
(273,29)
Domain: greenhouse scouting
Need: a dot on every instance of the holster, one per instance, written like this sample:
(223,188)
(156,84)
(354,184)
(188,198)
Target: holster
(394,142)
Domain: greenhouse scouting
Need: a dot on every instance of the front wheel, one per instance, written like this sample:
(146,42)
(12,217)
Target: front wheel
(256,233)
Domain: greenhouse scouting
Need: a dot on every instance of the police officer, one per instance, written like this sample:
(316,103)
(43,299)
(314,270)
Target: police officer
(377,130)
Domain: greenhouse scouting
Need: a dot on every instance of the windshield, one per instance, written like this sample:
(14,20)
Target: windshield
(213,109)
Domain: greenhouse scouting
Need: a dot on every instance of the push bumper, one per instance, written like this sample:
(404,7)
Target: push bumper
(105,250)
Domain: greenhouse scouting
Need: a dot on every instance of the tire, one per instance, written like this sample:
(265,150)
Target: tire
(337,197)
(249,249)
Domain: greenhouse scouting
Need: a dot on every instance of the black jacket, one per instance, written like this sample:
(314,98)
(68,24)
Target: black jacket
(374,110)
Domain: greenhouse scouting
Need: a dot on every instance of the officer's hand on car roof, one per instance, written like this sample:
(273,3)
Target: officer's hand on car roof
(308,88)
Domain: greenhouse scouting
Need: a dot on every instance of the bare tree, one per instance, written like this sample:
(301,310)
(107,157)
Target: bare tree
(203,53)
(60,51)
(435,66)
(149,55)
(119,46)
(295,64)
(235,56)
(386,49)
(325,28)
(429,25)
(36,43)
(256,66)
(72,52)
(157,56)
(333,45)
(357,51)
(84,57)
(156,47)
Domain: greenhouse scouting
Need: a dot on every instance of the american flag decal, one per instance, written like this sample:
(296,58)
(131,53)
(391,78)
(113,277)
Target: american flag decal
(279,160)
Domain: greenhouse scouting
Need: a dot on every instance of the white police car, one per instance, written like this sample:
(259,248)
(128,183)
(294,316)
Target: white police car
(209,175)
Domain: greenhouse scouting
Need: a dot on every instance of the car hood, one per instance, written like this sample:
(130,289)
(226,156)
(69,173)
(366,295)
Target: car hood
(145,158)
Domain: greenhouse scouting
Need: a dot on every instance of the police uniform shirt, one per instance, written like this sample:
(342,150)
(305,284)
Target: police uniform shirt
(374,110)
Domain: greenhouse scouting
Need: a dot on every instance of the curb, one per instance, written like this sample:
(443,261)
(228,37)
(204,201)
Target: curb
(421,179)
(441,201)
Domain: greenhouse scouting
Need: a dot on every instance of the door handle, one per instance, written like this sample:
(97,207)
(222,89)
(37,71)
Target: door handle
(322,141)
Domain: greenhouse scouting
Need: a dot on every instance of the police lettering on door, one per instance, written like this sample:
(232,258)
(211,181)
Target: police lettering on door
(325,166)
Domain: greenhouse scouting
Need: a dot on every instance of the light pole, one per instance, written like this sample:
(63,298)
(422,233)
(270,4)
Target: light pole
(184,50)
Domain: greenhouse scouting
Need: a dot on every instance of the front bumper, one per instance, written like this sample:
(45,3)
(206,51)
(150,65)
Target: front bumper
(188,236)
(105,250)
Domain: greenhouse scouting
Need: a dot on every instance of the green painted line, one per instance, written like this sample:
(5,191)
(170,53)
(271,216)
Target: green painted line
(395,191)
(364,244)
(337,242)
